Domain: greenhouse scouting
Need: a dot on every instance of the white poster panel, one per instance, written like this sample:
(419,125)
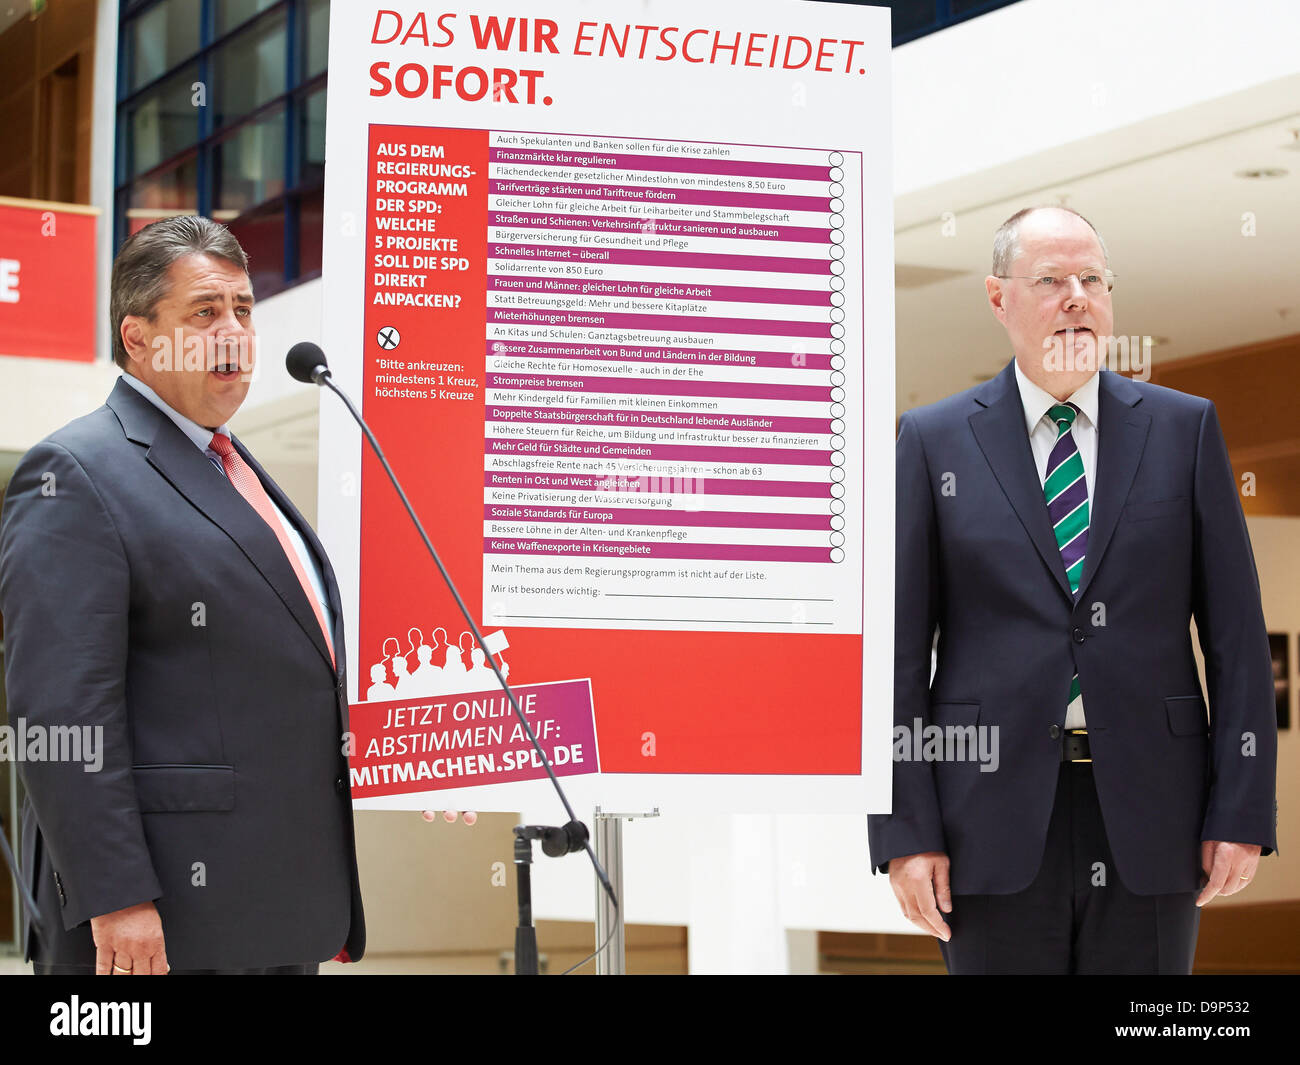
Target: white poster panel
(636,261)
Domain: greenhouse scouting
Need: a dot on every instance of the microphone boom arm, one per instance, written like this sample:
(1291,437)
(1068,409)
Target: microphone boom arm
(320,375)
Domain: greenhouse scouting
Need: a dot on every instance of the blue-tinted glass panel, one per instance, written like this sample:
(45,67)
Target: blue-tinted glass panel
(173,191)
(250,69)
(317,45)
(248,166)
(967,7)
(231,13)
(910,16)
(166,34)
(311,165)
(164,122)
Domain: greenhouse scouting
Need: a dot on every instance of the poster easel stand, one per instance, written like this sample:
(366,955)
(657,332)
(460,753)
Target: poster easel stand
(611,959)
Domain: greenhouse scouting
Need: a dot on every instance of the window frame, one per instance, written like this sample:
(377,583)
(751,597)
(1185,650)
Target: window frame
(292,99)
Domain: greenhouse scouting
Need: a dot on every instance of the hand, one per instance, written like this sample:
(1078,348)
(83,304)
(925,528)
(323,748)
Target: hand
(1229,868)
(450,816)
(129,939)
(917,880)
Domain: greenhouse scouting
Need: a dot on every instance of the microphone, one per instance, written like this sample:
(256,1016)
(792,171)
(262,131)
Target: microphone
(306,363)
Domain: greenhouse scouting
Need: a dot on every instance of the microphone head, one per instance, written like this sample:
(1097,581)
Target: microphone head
(555,842)
(306,362)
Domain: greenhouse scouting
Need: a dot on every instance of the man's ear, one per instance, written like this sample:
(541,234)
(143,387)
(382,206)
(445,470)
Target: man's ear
(134,338)
(993,286)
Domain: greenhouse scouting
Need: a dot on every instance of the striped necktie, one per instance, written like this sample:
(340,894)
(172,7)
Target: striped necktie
(245,481)
(1066,491)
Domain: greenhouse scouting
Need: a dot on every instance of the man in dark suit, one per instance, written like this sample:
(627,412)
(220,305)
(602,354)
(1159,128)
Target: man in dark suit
(160,590)
(1059,527)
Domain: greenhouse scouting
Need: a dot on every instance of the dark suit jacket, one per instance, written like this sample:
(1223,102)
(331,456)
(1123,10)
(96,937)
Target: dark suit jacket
(141,593)
(976,560)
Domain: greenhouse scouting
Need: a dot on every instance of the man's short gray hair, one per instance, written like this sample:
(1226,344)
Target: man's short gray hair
(1006,240)
(140,269)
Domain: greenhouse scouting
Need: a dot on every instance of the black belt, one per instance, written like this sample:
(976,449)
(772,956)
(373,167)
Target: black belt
(1074,746)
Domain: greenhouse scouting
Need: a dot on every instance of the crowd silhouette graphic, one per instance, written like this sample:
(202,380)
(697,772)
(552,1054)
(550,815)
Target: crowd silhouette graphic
(412,673)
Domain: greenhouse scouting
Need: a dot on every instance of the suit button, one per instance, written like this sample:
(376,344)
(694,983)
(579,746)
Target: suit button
(341,786)
(1055,732)
(1078,635)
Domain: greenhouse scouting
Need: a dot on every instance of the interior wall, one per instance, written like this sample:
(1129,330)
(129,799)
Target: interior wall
(46,98)
(1256,415)
(1274,540)
(38,396)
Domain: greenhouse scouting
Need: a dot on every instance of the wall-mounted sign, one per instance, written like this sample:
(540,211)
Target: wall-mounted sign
(47,280)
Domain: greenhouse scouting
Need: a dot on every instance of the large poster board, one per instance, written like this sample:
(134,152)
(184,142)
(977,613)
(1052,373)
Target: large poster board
(613,285)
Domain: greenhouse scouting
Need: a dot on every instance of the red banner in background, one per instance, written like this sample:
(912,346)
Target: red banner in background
(47,280)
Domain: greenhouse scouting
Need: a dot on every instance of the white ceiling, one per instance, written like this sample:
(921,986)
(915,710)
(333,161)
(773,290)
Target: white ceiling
(1165,196)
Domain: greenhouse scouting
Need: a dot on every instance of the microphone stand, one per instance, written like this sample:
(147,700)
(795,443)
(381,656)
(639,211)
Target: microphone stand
(525,933)
(556,841)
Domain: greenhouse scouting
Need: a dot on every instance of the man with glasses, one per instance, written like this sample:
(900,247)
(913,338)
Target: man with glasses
(1059,526)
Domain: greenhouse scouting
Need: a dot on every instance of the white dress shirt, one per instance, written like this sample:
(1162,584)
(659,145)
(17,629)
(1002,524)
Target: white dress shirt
(1043,433)
(202,438)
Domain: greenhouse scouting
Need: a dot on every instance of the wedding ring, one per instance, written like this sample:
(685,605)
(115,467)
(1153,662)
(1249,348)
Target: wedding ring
(119,968)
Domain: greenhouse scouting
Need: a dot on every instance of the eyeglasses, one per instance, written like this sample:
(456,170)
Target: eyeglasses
(1093,282)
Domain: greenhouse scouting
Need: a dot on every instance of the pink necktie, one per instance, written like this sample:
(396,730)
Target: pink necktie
(246,483)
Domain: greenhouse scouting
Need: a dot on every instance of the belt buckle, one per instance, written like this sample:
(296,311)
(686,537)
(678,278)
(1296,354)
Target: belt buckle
(1078,732)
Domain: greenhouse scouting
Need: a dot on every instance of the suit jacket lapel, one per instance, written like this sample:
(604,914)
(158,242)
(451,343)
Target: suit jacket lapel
(174,456)
(1121,436)
(999,428)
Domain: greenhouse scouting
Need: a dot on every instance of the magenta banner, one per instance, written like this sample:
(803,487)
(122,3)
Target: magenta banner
(436,742)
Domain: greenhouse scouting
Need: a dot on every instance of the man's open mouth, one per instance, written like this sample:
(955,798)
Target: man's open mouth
(226,371)
(1075,329)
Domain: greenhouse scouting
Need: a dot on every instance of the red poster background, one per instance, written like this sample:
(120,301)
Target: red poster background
(54,317)
(715,702)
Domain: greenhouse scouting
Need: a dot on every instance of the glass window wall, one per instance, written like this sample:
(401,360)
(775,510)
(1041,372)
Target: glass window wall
(221,112)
